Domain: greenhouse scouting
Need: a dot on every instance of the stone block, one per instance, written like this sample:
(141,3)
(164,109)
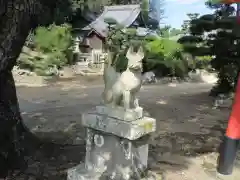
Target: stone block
(131,130)
(120,113)
(116,144)
(111,157)
(79,172)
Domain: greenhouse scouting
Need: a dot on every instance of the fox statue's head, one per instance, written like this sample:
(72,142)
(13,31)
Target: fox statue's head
(135,59)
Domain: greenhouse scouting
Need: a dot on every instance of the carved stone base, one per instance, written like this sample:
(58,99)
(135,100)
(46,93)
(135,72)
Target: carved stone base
(120,113)
(115,149)
(111,157)
(131,130)
(81,173)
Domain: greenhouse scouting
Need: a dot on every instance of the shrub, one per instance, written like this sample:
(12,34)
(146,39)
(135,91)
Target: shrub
(203,62)
(166,58)
(53,38)
(52,47)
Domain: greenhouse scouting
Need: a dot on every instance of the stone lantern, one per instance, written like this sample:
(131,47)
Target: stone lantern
(76,44)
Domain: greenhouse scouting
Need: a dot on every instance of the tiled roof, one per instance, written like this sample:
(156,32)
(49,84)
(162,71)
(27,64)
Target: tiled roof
(125,15)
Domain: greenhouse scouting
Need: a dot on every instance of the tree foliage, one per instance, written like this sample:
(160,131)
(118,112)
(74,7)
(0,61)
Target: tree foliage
(216,35)
(187,23)
(54,40)
(119,39)
(166,58)
(54,47)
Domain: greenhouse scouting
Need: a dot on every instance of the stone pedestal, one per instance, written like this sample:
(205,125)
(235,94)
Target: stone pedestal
(116,145)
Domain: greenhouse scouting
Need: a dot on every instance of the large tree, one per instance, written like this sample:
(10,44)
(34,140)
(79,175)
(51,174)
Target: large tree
(216,35)
(17,19)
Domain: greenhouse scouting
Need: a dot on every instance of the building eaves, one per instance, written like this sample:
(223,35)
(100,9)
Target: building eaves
(124,15)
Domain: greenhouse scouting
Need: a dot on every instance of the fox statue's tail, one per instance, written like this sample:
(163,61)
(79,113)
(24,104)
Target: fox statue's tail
(110,77)
(107,96)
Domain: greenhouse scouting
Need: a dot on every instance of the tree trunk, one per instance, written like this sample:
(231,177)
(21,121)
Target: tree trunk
(17,18)
(15,24)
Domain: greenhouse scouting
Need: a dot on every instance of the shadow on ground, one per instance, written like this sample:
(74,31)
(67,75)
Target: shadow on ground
(170,149)
(49,160)
(188,127)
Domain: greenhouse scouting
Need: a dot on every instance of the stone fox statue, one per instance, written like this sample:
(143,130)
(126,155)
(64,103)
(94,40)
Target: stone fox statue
(121,89)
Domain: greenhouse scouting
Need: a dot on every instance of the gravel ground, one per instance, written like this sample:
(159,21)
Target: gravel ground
(188,133)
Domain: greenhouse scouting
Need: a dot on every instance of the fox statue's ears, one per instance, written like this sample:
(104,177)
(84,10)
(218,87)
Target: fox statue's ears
(140,52)
(130,53)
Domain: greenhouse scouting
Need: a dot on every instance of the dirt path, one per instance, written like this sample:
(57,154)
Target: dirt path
(183,148)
